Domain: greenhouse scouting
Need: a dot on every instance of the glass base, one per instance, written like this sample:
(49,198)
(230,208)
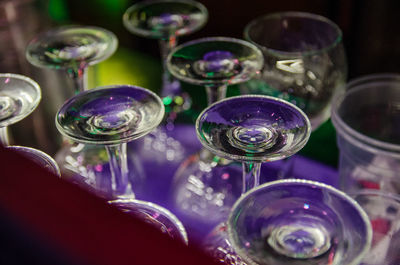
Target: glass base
(205,187)
(88,166)
(158,217)
(217,246)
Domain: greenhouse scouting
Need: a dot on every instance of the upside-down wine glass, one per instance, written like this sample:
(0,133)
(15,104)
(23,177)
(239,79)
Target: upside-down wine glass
(298,222)
(37,156)
(305,63)
(250,129)
(205,185)
(111,116)
(73,49)
(19,97)
(166,20)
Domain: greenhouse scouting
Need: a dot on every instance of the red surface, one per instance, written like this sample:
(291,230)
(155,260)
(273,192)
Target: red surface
(80,225)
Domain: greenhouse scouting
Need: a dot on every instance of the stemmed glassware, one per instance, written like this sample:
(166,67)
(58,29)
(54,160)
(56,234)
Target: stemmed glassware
(166,20)
(19,97)
(111,116)
(298,222)
(73,49)
(205,183)
(40,158)
(251,129)
(305,63)
(155,215)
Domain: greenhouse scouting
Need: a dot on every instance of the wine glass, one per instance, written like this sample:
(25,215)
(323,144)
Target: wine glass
(298,222)
(155,215)
(19,97)
(305,63)
(253,129)
(166,20)
(40,158)
(111,116)
(72,49)
(205,183)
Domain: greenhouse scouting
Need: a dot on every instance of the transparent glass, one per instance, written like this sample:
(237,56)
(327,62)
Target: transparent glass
(166,21)
(305,62)
(73,49)
(111,116)
(19,97)
(366,121)
(155,215)
(298,222)
(39,157)
(205,183)
(383,210)
(253,129)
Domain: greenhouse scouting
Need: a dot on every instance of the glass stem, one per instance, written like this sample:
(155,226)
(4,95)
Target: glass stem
(79,77)
(169,84)
(4,140)
(251,176)
(120,185)
(215,93)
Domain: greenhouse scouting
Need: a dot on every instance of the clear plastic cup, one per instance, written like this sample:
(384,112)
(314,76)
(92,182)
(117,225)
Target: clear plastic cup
(383,210)
(367,122)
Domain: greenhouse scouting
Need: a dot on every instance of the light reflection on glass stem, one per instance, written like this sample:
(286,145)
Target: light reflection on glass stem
(251,176)
(166,45)
(120,185)
(4,140)
(78,75)
(215,93)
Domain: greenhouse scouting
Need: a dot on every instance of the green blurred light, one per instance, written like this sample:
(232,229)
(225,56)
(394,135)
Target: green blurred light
(58,10)
(178,100)
(167,101)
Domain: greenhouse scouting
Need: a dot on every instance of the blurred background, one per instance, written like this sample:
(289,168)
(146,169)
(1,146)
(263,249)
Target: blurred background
(370,32)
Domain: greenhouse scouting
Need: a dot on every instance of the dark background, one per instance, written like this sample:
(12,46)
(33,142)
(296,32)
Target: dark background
(370,28)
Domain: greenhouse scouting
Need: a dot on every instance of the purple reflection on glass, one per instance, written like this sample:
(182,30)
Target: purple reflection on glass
(296,219)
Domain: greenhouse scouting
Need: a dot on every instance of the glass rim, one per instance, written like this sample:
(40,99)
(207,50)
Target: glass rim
(193,81)
(41,153)
(245,158)
(34,104)
(164,211)
(138,5)
(378,193)
(360,140)
(321,185)
(299,14)
(45,34)
(127,139)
